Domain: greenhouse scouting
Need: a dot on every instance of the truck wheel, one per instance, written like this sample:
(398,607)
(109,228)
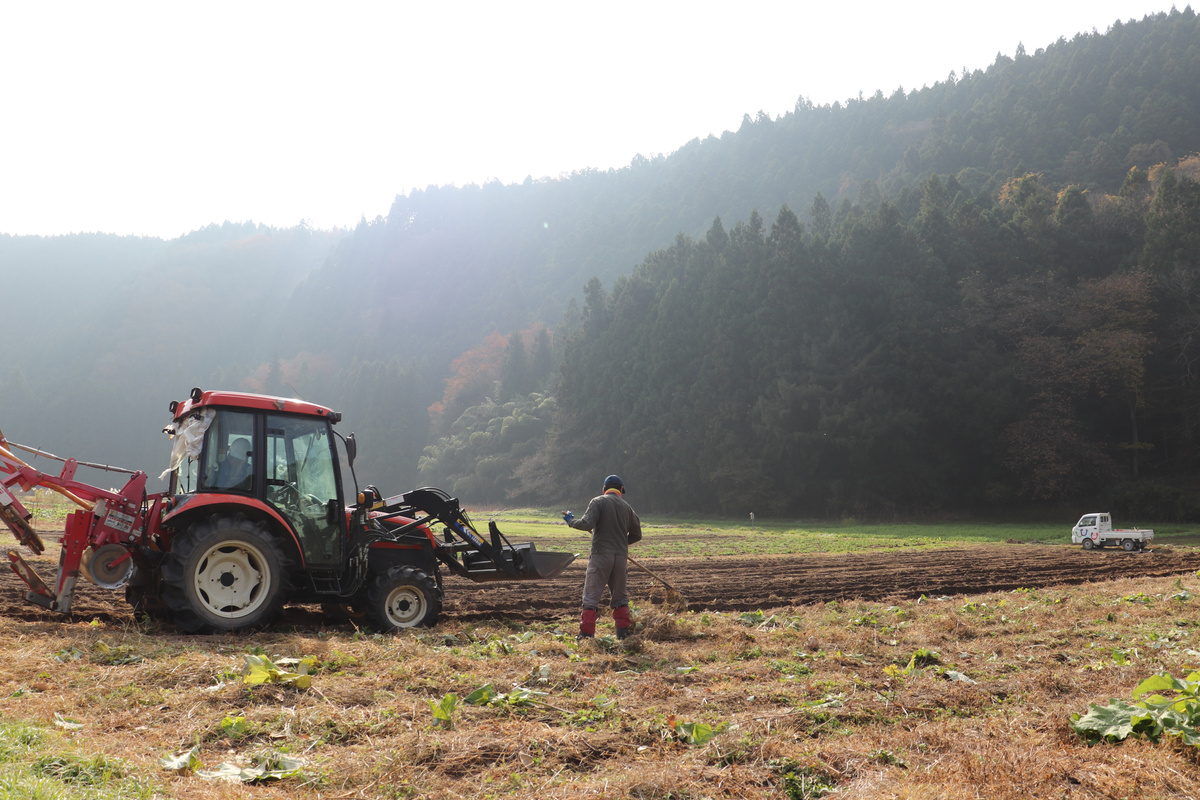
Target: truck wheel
(403,597)
(1088,544)
(224,574)
(1127,545)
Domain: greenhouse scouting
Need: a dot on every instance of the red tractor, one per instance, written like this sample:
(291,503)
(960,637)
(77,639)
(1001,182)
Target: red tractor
(256,517)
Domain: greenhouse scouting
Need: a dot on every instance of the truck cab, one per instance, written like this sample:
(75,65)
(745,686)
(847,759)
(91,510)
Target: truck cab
(1094,530)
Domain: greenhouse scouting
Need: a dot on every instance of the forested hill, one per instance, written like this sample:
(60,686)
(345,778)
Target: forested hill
(376,321)
(1080,112)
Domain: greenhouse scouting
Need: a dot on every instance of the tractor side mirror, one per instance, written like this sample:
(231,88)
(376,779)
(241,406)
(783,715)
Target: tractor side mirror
(351,449)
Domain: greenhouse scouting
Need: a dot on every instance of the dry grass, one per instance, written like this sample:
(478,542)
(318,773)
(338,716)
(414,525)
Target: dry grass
(805,700)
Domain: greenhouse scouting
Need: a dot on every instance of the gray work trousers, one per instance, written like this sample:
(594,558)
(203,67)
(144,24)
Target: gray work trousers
(606,569)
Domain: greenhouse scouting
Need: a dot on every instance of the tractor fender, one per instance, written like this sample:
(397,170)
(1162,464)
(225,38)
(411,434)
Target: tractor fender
(193,505)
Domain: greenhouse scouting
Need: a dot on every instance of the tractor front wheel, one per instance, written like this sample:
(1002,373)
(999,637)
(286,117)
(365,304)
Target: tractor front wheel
(224,574)
(1088,544)
(403,597)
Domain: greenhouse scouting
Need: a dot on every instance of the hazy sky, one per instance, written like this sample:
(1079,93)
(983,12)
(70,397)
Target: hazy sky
(158,118)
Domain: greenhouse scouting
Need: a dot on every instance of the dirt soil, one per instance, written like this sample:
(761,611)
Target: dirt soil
(730,583)
(744,584)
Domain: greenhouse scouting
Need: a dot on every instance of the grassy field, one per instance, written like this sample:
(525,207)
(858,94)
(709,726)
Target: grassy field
(708,537)
(961,697)
(666,538)
(944,697)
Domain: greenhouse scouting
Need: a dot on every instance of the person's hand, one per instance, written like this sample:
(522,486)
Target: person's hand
(568,517)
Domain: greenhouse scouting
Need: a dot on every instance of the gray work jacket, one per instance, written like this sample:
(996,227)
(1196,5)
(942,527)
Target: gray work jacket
(611,520)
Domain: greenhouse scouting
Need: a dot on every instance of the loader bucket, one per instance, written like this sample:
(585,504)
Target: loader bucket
(522,562)
(546,565)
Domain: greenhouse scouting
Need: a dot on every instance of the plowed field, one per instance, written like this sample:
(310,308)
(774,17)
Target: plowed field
(729,583)
(742,584)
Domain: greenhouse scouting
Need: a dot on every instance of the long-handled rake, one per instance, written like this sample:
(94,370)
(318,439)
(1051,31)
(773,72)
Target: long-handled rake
(674,596)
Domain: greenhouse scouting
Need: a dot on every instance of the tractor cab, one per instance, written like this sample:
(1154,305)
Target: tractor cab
(275,455)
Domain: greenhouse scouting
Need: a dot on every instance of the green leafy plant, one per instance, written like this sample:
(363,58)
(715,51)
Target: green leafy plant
(66,654)
(66,723)
(186,762)
(1151,714)
(89,771)
(104,653)
(260,669)
(758,619)
(267,766)
(801,783)
(882,756)
(600,710)
(921,657)
(443,710)
(694,733)
(339,662)
(235,728)
(790,669)
(487,695)
(1121,657)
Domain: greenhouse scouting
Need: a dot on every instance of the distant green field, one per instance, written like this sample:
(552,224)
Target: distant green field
(667,537)
(725,538)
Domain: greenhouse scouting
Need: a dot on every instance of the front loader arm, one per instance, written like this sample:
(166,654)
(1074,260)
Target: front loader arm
(463,550)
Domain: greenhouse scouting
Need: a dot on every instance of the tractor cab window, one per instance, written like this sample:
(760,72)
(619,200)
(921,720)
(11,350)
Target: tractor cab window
(228,463)
(1087,521)
(302,482)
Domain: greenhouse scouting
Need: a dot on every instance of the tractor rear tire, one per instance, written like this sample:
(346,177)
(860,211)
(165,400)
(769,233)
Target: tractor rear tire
(224,574)
(402,597)
(1127,545)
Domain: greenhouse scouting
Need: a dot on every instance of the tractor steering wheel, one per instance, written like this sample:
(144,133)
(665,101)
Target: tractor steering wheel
(280,492)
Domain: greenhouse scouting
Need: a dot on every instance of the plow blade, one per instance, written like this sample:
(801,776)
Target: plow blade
(38,592)
(522,562)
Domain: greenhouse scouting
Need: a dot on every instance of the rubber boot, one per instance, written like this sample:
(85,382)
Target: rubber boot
(624,623)
(587,623)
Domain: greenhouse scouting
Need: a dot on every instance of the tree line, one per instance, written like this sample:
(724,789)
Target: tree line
(938,351)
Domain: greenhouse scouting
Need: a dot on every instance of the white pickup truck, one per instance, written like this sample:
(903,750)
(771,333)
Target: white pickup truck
(1095,530)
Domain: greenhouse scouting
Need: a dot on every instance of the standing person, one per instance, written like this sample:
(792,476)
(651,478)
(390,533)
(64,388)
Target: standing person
(614,527)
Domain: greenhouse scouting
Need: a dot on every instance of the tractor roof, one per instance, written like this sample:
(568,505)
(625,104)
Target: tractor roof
(253,402)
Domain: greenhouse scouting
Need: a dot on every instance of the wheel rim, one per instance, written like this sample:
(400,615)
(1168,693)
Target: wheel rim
(406,606)
(232,580)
